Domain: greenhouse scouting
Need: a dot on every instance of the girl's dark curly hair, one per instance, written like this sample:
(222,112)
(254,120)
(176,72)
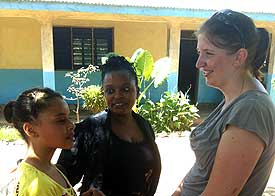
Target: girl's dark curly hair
(28,106)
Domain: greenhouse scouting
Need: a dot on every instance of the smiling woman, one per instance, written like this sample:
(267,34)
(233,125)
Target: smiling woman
(235,145)
(115,149)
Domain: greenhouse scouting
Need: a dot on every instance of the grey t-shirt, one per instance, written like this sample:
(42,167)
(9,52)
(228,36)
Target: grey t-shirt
(252,111)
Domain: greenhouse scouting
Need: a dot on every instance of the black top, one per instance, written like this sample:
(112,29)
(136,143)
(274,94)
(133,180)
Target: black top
(115,166)
(129,168)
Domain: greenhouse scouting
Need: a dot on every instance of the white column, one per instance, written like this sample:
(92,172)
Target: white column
(174,54)
(47,53)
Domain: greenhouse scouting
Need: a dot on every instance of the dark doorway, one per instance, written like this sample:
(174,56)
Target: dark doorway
(188,73)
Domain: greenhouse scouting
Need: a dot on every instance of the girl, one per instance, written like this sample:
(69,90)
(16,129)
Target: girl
(42,118)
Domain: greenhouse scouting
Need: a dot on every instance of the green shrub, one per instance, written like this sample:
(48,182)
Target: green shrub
(94,100)
(9,134)
(172,113)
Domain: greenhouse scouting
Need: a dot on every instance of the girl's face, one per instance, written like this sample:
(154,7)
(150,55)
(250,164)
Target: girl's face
(53,126)
(120,92)
(216,64)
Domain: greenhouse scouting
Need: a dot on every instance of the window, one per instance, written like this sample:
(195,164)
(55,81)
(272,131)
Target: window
(80,47)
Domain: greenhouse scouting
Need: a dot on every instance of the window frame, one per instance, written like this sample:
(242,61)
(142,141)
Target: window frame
(63,48)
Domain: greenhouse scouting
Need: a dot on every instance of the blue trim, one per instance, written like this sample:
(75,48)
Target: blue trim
(173,82)
(62,83)
(262,16)
(49,79)
(15,81)
(269,88)
(154,94)
(105,9)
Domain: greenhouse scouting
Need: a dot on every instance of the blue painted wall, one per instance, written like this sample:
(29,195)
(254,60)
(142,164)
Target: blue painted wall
(155,94)
(14,81)
(62,82)
(268,83)
(48,79)
(172,82)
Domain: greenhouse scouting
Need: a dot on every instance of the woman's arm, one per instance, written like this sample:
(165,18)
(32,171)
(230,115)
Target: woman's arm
(237,155)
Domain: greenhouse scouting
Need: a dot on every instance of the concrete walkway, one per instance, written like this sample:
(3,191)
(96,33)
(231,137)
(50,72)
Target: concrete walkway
(177,159)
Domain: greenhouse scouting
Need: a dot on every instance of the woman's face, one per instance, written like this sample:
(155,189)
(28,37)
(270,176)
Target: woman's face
(120,92)
(53,127)
(216,64)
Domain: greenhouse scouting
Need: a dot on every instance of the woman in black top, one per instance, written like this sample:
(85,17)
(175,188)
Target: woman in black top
(115,149)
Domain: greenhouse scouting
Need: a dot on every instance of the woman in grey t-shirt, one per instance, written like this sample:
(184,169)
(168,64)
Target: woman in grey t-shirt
(234,146)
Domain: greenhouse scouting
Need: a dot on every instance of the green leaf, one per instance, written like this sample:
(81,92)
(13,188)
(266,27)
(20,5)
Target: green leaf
(144,63)
(136,54)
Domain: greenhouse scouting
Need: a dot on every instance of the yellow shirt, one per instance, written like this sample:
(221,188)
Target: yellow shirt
(33,182)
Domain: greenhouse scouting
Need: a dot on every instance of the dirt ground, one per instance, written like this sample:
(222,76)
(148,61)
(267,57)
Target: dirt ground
(175,152)
(176,156)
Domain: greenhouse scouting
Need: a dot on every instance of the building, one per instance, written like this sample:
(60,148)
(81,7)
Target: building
(42,40)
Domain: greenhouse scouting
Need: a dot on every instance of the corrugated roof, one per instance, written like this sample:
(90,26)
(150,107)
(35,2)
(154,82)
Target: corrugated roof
(254,6)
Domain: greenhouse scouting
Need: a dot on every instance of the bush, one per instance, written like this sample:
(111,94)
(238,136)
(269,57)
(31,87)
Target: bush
(94,100)
(9,134)
(79,80)
(172,114)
